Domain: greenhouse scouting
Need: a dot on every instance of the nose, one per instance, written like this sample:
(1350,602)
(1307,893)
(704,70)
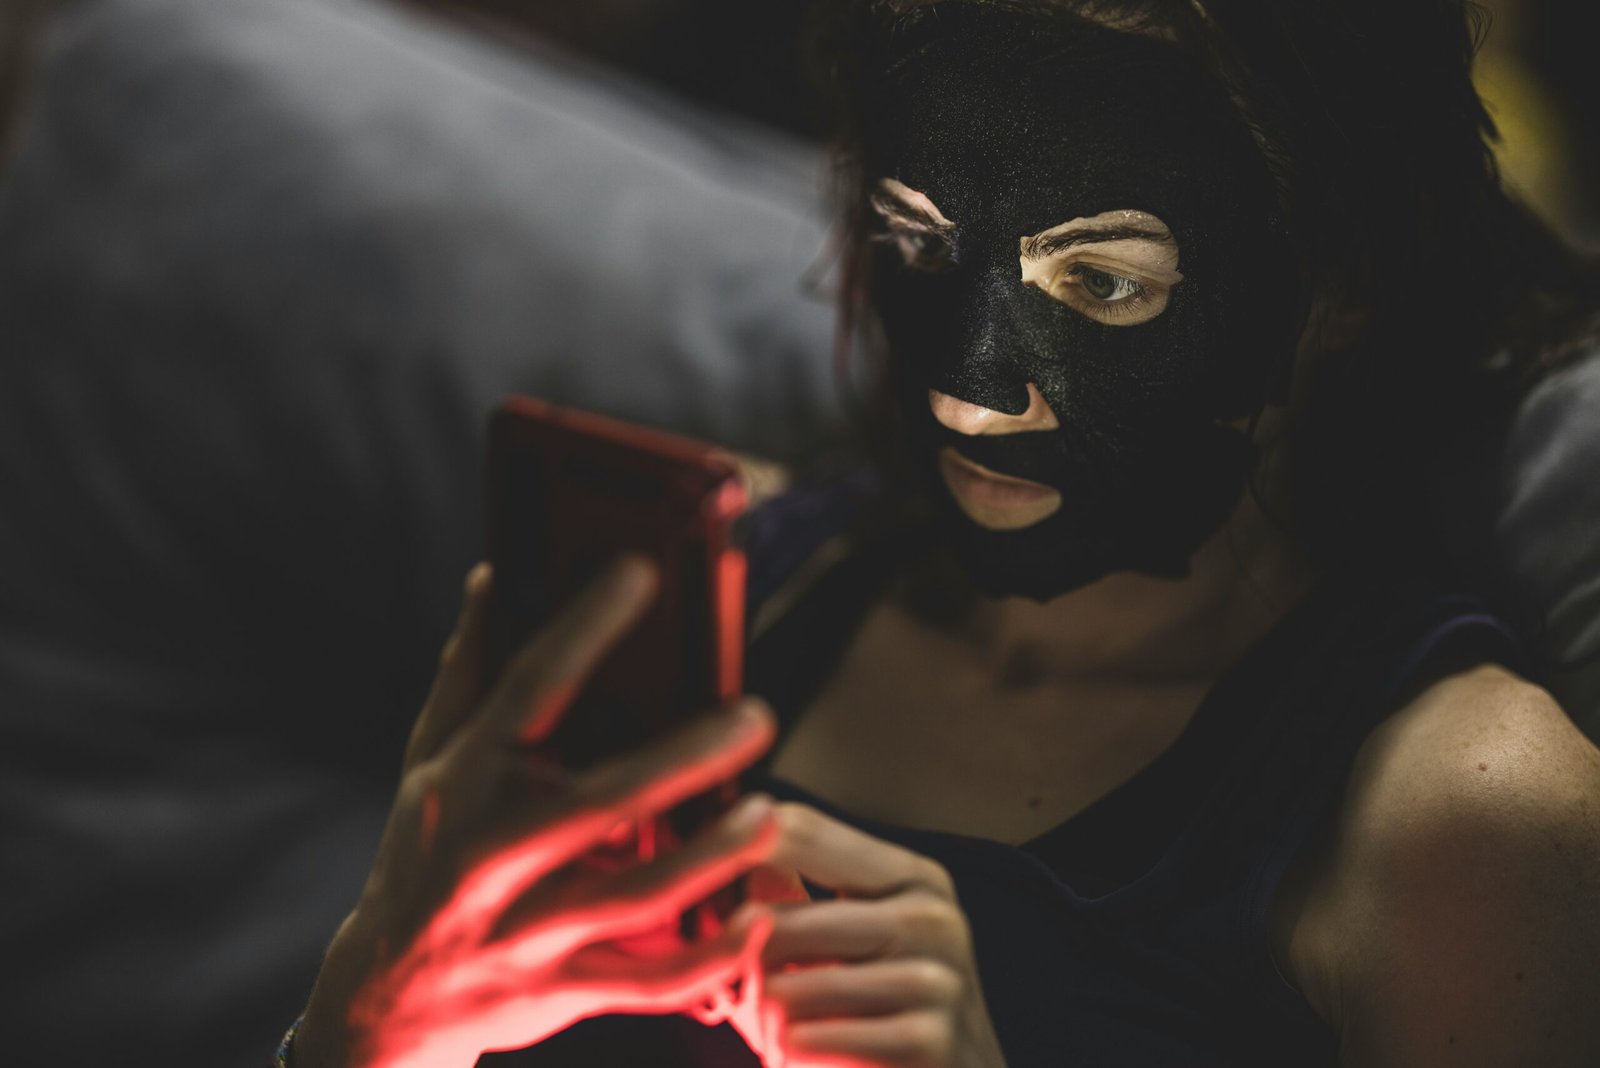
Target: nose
(974,420)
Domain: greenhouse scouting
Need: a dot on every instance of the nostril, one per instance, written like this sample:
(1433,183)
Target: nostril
(965,417)
(1039,416)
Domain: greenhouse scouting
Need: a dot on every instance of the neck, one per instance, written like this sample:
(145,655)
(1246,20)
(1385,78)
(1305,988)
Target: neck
(1130,627)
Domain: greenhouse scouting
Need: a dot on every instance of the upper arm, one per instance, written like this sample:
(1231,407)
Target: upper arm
(1462,914)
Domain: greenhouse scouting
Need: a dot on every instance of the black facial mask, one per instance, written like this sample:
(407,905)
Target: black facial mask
(1012,124)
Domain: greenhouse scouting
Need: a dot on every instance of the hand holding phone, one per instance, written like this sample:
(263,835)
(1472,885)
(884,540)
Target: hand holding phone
(477,931)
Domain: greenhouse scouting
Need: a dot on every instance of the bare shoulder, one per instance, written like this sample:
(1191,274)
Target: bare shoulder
(1455,918)
(1486,730)
(1482,751)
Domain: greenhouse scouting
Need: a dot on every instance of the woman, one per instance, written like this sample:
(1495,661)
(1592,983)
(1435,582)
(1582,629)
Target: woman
(1160,738)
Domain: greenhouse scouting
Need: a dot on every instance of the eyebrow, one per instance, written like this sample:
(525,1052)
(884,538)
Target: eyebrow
(1040,245)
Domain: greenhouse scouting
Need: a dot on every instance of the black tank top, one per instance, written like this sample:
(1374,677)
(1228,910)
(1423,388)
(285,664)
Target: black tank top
(1136,934)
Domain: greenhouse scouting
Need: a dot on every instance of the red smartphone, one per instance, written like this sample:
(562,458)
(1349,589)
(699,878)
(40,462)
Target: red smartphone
(569,492)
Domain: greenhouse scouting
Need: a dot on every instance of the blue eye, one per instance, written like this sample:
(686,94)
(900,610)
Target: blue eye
(1118,268)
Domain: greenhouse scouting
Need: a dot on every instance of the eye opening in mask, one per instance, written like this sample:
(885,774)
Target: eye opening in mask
(1117,268)
(914,225)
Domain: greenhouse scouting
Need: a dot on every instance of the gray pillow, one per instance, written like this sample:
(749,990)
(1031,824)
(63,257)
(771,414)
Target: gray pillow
(1544,538)
(263,266)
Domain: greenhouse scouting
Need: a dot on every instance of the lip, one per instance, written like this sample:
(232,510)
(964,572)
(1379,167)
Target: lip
(992,500)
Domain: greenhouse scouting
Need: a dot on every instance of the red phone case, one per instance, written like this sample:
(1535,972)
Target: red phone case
(569,492)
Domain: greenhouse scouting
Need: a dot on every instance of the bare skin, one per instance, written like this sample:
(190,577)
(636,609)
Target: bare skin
(480,928)
(1452,917)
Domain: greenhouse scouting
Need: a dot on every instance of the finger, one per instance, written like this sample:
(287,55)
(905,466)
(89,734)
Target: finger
(776,885)
(549,832)
(877,988)
(537,686)
(464,1018)
(649,896)
(912,1038)
(456,686)
(835,855)
(677,982)
(704,753)
(646,898)
(915,925)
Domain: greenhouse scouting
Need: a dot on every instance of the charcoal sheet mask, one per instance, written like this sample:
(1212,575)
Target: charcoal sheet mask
(1012,124)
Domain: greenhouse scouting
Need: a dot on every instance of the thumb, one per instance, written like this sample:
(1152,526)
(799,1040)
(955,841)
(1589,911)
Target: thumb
(455,688)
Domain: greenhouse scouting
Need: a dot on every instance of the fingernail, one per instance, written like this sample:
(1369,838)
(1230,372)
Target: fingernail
(751,812)
(750,716)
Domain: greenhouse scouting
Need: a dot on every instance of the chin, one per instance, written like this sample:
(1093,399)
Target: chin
(1044,561)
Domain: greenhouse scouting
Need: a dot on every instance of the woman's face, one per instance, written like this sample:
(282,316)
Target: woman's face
(1084,289)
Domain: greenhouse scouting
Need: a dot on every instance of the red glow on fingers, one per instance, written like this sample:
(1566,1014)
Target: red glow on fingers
(546,712)
(452,997)
(490,887)
(636,838)
(642,924)
(830,1060)
(749,741)
(486,1006)
(774,1024)
(758,1021)
(495,883)
(463,987)
(455,1039)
